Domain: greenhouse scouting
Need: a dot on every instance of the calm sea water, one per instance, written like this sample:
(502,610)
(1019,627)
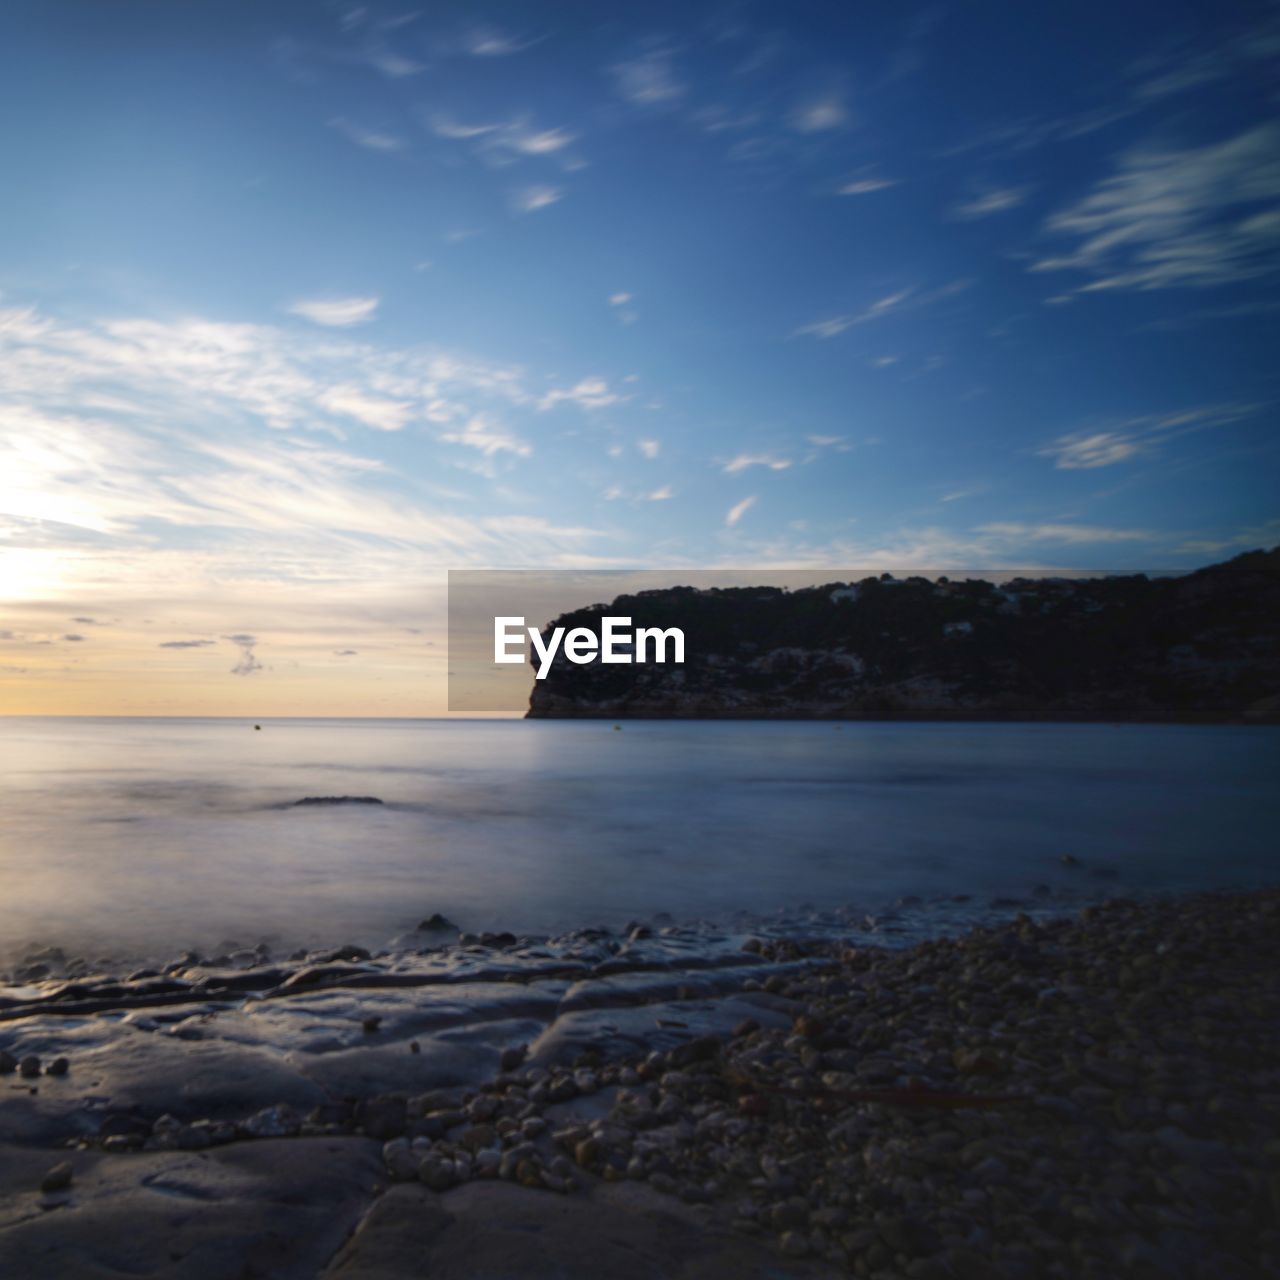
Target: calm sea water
(141,838)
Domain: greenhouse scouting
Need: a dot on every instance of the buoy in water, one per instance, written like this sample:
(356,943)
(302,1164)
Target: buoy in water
(257,726)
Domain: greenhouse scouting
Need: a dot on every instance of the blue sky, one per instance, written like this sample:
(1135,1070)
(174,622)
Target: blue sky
(302,304)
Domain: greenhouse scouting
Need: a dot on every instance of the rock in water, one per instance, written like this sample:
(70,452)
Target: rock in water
(336,800)
(436,923)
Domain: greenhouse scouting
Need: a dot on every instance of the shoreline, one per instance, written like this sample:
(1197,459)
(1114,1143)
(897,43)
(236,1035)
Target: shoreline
(822,1104)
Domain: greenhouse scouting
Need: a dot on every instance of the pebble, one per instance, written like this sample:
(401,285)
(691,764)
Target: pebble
(1126,1055)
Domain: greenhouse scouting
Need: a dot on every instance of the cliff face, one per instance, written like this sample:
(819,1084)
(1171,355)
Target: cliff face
(1203,647)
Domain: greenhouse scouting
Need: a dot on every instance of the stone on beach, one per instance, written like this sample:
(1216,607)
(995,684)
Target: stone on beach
(1093,1089)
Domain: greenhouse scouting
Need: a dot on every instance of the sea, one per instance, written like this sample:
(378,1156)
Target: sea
(138,839)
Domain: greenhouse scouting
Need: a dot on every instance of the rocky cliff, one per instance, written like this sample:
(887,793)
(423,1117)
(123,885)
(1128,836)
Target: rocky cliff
(1204,646)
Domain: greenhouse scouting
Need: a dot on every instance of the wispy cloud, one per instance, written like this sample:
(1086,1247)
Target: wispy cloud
(488,437)
(370,139)
(514,138)
(447,127)
(744,461)
(738,510)
(650,448)
(336,313)
(85,475)
(1085,452)
(530,199)
(185,644)
(649,80)
(1121,441)
(1197,217)
(865,186)
(821,114)
(991,202)
(660,495)
(1071,534)
(493,42)
(833,326)
(373,411)
(589,393)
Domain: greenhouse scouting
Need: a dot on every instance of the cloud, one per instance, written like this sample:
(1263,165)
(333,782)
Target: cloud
(1088,450)
(1198,217)
(744,461)
(619,299)
(345,653)
(247,664)
(198,439)
(393,65)
(373,411)
(660,495)
(650,448)
(649,81)
(544,142)
(492,42)
(1073,534)
(88,622)
(370,139)
(530,199)
(1085,452)
(835,325)
(865,186)
(505,141)
(589,393)
(832,327)
(185,644)
(990,202)
(73,638)
(445,127)
(485,435)
(738,510)
(821,114)
(335,313)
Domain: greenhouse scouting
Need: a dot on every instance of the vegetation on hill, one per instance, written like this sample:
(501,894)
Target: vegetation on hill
(1202,646)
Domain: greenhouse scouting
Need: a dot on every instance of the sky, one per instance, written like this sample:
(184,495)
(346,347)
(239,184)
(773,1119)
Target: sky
(303,304)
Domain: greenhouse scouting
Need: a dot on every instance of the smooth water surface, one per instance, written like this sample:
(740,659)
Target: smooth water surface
(144,837)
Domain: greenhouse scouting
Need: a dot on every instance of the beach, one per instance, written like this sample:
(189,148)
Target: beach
(1066,1092)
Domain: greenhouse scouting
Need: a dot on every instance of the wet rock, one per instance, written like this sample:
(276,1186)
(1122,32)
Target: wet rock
(280,1121)
(512,1057)
(349,953)
(58,1067)
(383,1117)
(58,1178)
(29,1067)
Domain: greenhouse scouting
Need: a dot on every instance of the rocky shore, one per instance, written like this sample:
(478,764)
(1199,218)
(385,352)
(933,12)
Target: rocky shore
(1090,1095)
